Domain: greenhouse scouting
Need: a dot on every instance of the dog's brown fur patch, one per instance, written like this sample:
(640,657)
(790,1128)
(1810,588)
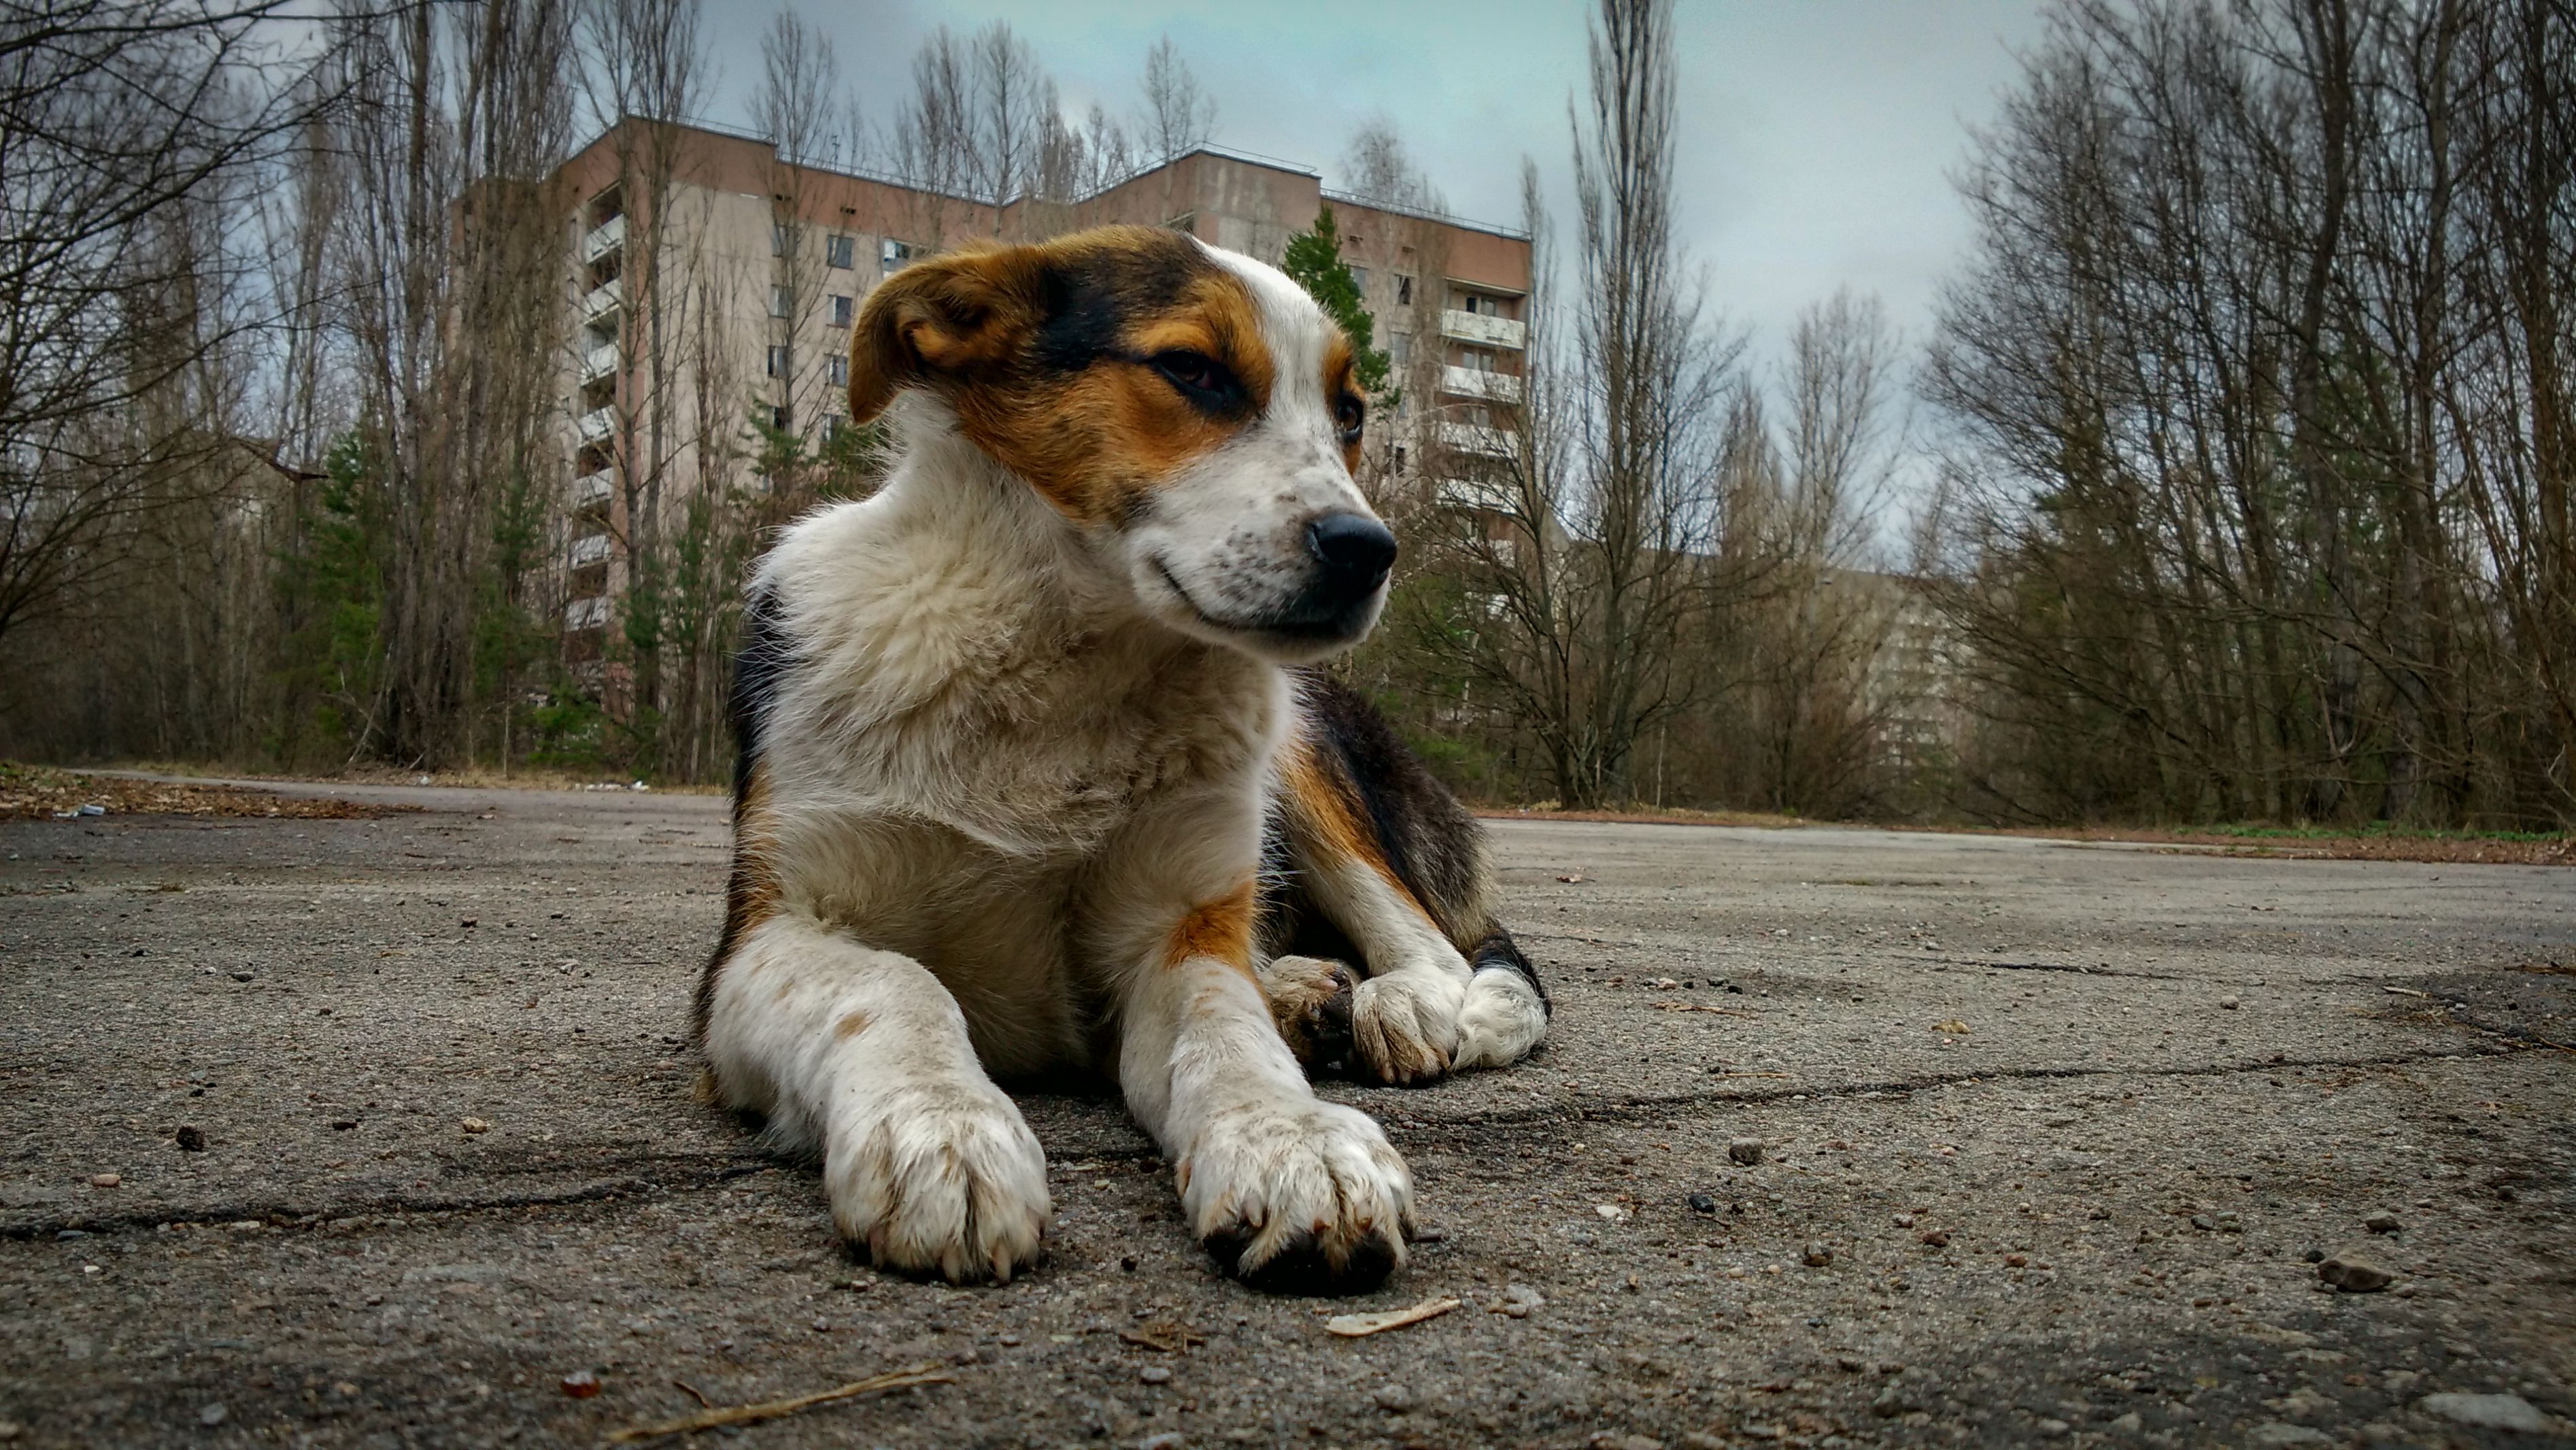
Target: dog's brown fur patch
(1221,929)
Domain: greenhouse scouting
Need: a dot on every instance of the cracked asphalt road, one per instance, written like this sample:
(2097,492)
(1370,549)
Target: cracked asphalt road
(2049,1132)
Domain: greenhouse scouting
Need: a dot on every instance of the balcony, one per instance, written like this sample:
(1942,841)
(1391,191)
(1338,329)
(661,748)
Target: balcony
(592,489)
(603,239)
(588,613)
(606,298)
(598,362)
(1478,441)
(1483,494)
(599,424)
(1481,383)
(1481,328)
(589,549)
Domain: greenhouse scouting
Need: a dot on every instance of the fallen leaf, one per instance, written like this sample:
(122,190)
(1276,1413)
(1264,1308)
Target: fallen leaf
(1353,1326)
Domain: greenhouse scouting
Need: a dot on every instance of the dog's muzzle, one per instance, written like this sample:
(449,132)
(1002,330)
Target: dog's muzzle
(1349,554)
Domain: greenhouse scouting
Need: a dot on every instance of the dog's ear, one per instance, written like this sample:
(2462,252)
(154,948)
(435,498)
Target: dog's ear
(944,319)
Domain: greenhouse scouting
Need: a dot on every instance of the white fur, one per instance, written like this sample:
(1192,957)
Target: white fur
(1004,764)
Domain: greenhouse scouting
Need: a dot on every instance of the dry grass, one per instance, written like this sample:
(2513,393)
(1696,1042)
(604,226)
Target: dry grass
(36,792)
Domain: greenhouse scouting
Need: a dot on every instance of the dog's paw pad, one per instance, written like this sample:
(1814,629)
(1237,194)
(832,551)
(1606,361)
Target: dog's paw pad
(1310,1000)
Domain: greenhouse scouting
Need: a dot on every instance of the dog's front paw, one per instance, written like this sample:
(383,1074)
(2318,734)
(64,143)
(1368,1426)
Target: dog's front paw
(1299,1198)
(939,1178)
(1404,1025)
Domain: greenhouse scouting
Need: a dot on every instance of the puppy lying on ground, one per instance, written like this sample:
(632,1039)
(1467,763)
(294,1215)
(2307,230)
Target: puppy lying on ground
(1030,779)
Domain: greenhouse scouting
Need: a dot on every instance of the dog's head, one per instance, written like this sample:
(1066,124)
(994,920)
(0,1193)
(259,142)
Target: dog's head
(1191,410)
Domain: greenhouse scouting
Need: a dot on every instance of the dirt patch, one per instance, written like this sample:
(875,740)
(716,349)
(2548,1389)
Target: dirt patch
(35,792)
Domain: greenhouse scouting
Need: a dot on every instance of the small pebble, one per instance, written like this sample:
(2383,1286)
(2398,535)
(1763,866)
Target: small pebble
(11,1429)
(2276,1433)
(2382,1222)
(213,1414)
(1702,1203)
(2486,1412)
(191,1141)
(105,1180)
(2355,1274)
(1395,1399)
(2228,1004)
(1168,1440)
(1747,1151)
(1154,1374)
(581,1384)
(1818,1256)
(1938,1238)
(475,1125)
(822,1325)
(1905,1220)
(2315,1256)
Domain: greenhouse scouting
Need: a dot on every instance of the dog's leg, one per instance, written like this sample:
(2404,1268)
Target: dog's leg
(863,1054)
(1405,1014)
(1288,1192)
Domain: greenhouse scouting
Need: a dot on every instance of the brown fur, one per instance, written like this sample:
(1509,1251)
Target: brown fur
(1221,929)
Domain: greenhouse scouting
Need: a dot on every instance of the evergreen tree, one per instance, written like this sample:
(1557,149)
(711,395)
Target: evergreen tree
(1314,259)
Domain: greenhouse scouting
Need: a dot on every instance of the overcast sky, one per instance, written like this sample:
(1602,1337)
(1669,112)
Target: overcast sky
(1817,135)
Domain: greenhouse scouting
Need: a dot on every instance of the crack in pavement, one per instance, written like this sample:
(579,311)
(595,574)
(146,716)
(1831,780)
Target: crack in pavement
(1616,1109)
(283,1213)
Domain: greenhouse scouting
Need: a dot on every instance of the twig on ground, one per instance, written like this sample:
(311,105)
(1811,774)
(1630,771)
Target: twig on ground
(696,1394)
(1697,1007)
(920,1374)
(1352,1326)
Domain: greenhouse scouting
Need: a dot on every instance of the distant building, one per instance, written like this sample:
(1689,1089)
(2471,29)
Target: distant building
(761,265)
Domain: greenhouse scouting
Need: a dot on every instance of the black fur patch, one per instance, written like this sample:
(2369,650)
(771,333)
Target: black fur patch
(764,657)
(1434,847)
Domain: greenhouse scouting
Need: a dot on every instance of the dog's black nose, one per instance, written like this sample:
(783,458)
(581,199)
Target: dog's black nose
(1354,549)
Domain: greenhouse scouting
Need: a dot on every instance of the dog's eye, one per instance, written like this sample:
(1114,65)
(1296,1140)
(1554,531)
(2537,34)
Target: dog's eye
(1351,414)
(1201,379)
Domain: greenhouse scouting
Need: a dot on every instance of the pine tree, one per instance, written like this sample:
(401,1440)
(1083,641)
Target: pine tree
(1314,260)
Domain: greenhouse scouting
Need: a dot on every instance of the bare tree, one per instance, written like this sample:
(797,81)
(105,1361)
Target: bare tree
(1596,534)
(129,127)
(1178,114)
(1378,169)
(2249,517)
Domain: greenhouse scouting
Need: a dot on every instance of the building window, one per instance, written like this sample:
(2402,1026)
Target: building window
(778,417)
(1359,279)
(782,240)
(1399,348)
(833,423)
(839,370)
(1476,359)
(778,360)
(1403,290)
(1399,459)
(842,308)
(840,250)
(781,301)
(893,254)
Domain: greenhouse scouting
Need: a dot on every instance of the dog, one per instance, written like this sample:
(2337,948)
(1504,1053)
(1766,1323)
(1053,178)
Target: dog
(1034,777)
